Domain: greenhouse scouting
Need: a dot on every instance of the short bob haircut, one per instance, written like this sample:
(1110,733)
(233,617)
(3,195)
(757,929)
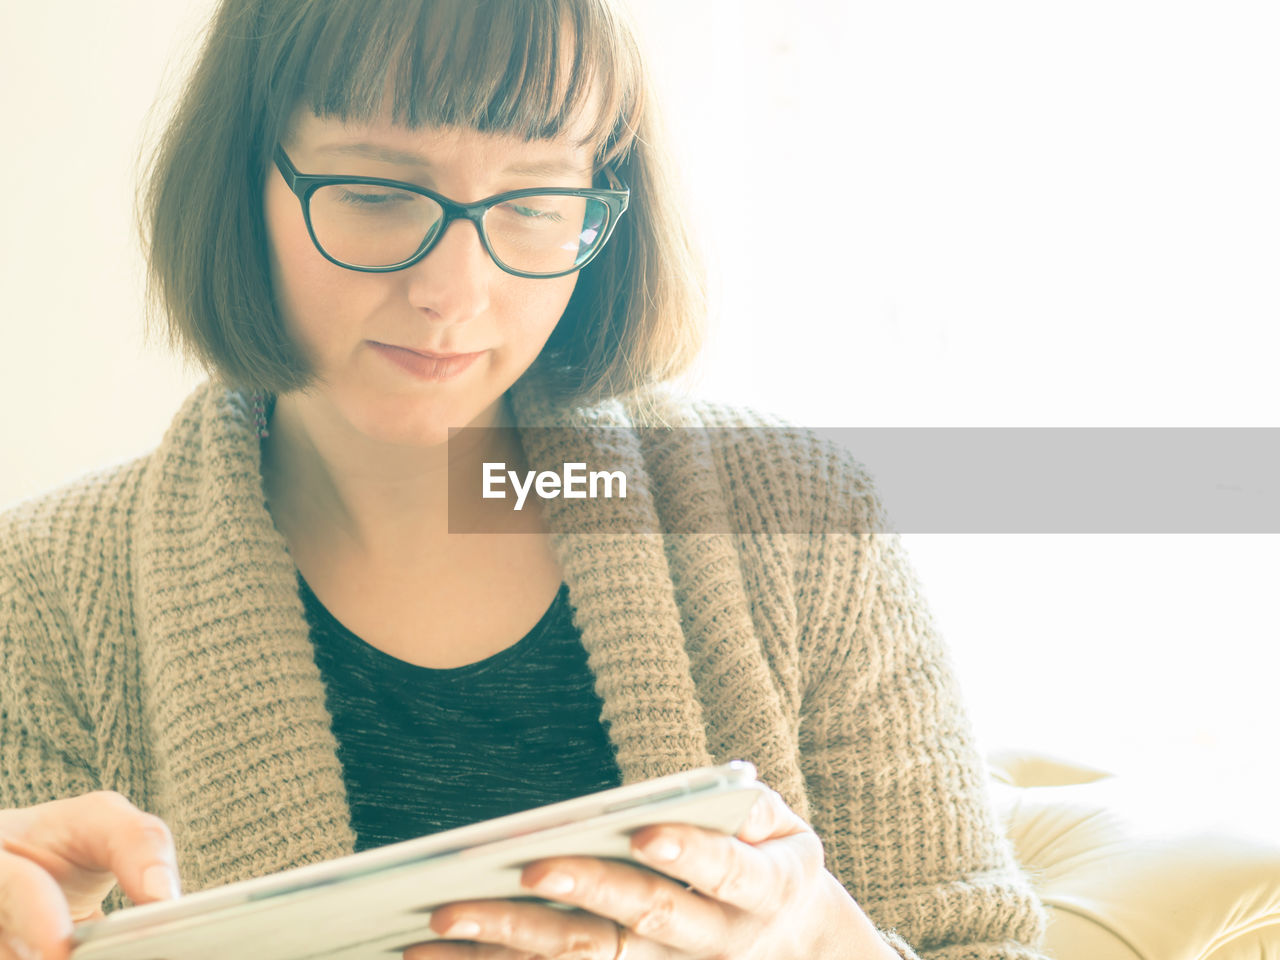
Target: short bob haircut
(636,316)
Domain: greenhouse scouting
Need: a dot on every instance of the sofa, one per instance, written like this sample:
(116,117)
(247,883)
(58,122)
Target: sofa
(1130,873)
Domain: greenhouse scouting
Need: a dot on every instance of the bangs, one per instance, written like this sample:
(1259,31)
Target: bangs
(529,68)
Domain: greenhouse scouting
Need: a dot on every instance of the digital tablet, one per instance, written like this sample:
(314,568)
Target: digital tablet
(375,904)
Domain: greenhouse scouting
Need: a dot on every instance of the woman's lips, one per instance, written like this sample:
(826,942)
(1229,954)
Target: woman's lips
(426,366)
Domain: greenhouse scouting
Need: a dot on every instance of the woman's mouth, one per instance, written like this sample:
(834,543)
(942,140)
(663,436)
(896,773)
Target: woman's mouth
(425,365)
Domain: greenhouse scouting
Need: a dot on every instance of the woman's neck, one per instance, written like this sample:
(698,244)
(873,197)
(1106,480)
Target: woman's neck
(339,492)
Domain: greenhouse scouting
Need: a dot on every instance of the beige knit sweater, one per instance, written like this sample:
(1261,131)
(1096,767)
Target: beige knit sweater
(152,641)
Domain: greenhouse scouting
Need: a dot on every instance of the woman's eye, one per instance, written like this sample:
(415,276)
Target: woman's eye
(535,213)
(357,198)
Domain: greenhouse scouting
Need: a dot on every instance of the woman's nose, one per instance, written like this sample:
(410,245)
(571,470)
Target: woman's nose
(451,283)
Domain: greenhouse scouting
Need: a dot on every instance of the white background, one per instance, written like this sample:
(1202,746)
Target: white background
(918,213)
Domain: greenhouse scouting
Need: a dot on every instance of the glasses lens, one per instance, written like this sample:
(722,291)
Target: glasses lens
(546,234)
(372,226)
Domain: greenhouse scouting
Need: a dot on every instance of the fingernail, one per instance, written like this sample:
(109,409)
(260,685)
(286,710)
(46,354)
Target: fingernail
(555,883)
(18,948)
(160,883)
(663,849)
(463,929)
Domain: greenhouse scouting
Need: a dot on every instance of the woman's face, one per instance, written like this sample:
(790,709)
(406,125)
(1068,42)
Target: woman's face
(357,328)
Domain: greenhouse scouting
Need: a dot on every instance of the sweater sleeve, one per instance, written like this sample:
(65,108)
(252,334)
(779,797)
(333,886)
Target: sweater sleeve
(48,745)
(897,786)
(45,746)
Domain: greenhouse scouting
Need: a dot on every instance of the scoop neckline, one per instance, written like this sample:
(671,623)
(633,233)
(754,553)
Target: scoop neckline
(514,652)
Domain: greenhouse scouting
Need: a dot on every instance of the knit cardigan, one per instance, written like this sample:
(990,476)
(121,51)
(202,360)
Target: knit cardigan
(152,641)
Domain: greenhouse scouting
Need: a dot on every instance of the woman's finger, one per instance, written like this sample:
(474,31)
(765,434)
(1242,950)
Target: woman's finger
(98,833)
(756,878)
(650,904)
(33,911)
(444,950)
(770,816)
(504,929)
(59,859)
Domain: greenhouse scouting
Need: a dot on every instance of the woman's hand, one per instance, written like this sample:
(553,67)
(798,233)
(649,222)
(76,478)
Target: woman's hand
(59,860)
(761,895)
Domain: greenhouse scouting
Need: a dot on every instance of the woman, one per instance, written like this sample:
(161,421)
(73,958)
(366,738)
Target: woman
(265,635)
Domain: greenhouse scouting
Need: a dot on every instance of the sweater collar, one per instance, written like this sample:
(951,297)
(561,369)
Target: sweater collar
(251,781)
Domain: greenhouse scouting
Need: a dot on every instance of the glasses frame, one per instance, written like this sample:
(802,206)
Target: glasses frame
(303,185)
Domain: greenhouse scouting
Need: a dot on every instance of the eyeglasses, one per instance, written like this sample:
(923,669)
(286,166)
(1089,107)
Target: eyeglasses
(377,226)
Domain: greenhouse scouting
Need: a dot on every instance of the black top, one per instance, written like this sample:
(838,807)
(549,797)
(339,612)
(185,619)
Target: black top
(425,750)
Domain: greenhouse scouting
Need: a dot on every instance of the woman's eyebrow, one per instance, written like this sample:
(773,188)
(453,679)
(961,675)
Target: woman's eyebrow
(530,168)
